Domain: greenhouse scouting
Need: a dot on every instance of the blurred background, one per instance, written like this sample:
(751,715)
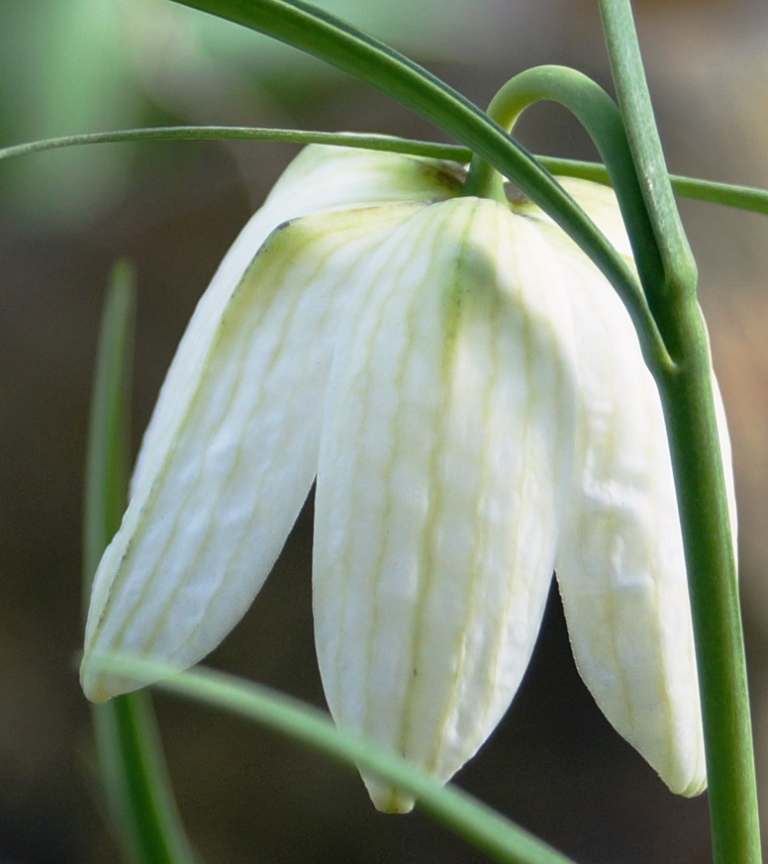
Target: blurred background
(554,765)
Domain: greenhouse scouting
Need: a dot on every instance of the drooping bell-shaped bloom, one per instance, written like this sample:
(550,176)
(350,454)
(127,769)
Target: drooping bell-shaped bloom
(470,395)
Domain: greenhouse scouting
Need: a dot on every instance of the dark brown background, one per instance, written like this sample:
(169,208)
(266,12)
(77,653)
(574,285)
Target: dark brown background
(553,765)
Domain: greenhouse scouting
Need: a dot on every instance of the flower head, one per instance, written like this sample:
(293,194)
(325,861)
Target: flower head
(470,395)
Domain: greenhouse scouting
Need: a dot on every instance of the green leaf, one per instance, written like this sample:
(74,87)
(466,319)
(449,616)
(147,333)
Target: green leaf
(461,813)
(139,798)
(388,143)
(726,194)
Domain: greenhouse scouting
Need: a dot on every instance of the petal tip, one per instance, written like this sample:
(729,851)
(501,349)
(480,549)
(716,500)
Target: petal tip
(100,685)
(95,686)
(389,799)
(692,786)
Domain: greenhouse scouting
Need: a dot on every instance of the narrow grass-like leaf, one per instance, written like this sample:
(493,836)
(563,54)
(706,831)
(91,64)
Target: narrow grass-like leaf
(388,143)
(747,198)
(108,455)
(739,197)
(139,799)
(478,824)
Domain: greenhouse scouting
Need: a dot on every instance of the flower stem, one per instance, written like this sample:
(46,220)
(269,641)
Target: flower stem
(637,111)
(600,116)
(687,396)
(689,409)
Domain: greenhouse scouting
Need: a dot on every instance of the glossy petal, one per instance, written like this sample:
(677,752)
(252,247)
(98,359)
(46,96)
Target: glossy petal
(445,454)
(232,462)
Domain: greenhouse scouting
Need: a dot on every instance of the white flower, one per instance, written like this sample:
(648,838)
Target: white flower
(470,394)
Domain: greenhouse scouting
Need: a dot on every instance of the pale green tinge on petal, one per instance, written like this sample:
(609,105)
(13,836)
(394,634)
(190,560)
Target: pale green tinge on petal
(620,562)
(324,177)
(279,292)
(233,462)
(445,454)
(320,178)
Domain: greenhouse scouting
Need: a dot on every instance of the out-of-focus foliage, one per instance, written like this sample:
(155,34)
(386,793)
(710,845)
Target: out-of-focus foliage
(88,65)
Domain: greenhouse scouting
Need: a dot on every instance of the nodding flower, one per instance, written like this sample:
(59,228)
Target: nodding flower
(469,394)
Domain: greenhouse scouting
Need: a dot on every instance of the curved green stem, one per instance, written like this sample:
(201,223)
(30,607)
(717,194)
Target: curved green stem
(481,826)
(599,115)
(139,797)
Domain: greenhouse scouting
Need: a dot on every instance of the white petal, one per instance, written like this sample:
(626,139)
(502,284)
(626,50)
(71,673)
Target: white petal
(620,562)
(232,465)
(445,454)
(318,179)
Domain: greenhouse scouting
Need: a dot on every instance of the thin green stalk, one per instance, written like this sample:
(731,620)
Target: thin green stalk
(642,132)
(388,143)
(139,797)
(477,823)
(107,457)
(687,397)
(726,194)
(687,400)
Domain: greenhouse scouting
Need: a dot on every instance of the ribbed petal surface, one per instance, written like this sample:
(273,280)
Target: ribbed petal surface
(232,463)
(620,561)
(318,179)
(621,567)
(446,449)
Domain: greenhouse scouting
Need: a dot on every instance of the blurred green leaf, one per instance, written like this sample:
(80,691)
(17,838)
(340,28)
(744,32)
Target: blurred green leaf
(73,66)
(139,798)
